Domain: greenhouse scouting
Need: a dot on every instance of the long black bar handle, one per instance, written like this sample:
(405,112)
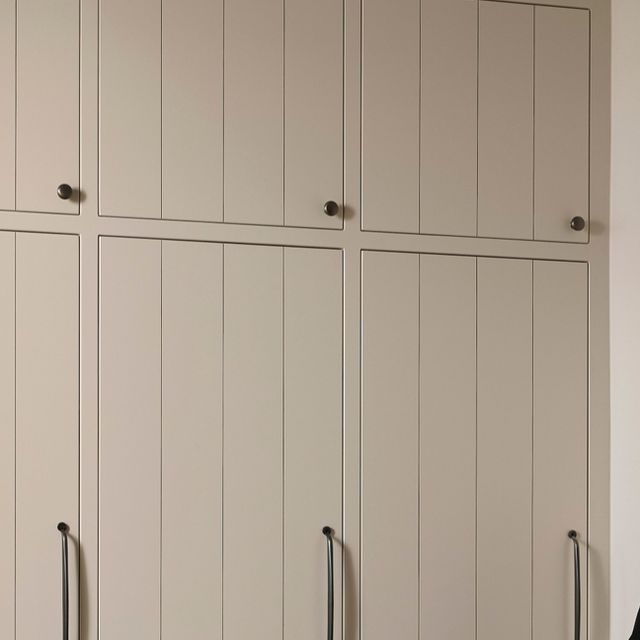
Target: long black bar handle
(573,535)
(63,528)
(328,532)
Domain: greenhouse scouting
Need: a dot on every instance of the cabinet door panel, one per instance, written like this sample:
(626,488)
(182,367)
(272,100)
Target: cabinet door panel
(130,108)
(46,429)
(390,445)
(48,104)
(505,120)
(559,444)
(504,448)
(8,104)
(562,122)
(390,115)
(221,421)
(130,438)
(448,144)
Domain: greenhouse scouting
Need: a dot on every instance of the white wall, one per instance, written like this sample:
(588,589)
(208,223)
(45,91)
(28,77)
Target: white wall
(625,318)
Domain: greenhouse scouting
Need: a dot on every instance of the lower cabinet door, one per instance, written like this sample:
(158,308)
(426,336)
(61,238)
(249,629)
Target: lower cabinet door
(220,440)
(39,455)
(474,447)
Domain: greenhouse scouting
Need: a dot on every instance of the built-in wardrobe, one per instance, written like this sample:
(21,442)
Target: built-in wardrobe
(303,320)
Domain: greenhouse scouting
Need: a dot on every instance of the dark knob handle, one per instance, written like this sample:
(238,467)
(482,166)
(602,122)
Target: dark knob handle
(578,223)
(64,191)
(331,208)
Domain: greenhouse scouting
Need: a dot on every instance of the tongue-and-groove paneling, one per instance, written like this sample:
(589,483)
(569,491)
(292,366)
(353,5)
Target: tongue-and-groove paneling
(220,439)
(474,445)
(222,111)
(39,430)
(40,104)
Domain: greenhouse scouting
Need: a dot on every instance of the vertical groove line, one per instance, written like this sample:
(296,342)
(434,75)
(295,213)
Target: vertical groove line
(15,435)
(477,128)
(419,120)
(533,392)
(533,132)
(15,108)
(284,119)
(222,407)
(161,116)
(224,64)
(161,417)
(419,350)
(283,254)
(476,452)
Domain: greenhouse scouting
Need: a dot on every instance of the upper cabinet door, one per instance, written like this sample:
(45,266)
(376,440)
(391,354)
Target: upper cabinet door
(222,112)
(39,105)
(475,119)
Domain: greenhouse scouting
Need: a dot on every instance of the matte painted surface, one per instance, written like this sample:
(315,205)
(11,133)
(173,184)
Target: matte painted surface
(313,111)
(390,115)
(448,118)
(390,445)
(192,118)
(562,77)
(560,440)
(505,120)
(130,438)
(447,447)
(130,151)
(47,103)
(46,428)
(312,438)
(8,104)
(7,434)
(253,108)
(191,481)
(504,448)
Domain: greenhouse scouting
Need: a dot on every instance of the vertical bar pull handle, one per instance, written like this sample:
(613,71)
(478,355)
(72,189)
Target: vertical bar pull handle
(63,528)
(328,532)
(573,535)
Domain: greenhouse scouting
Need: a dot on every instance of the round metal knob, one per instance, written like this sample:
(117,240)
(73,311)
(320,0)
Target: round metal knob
(64,191)
(331,208)
(578,223)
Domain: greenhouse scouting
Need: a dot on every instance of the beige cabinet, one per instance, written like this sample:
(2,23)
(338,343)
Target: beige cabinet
(40,105)
(220,439)
(474,445)
(39,431)
(475,119)
(222,112)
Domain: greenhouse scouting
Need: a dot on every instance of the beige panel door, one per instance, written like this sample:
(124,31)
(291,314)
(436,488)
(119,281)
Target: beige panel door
(47,104)
(505,120)
(222,113)
(8,104)
(562,79)
(560,440)
(220,423)
(39,431)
